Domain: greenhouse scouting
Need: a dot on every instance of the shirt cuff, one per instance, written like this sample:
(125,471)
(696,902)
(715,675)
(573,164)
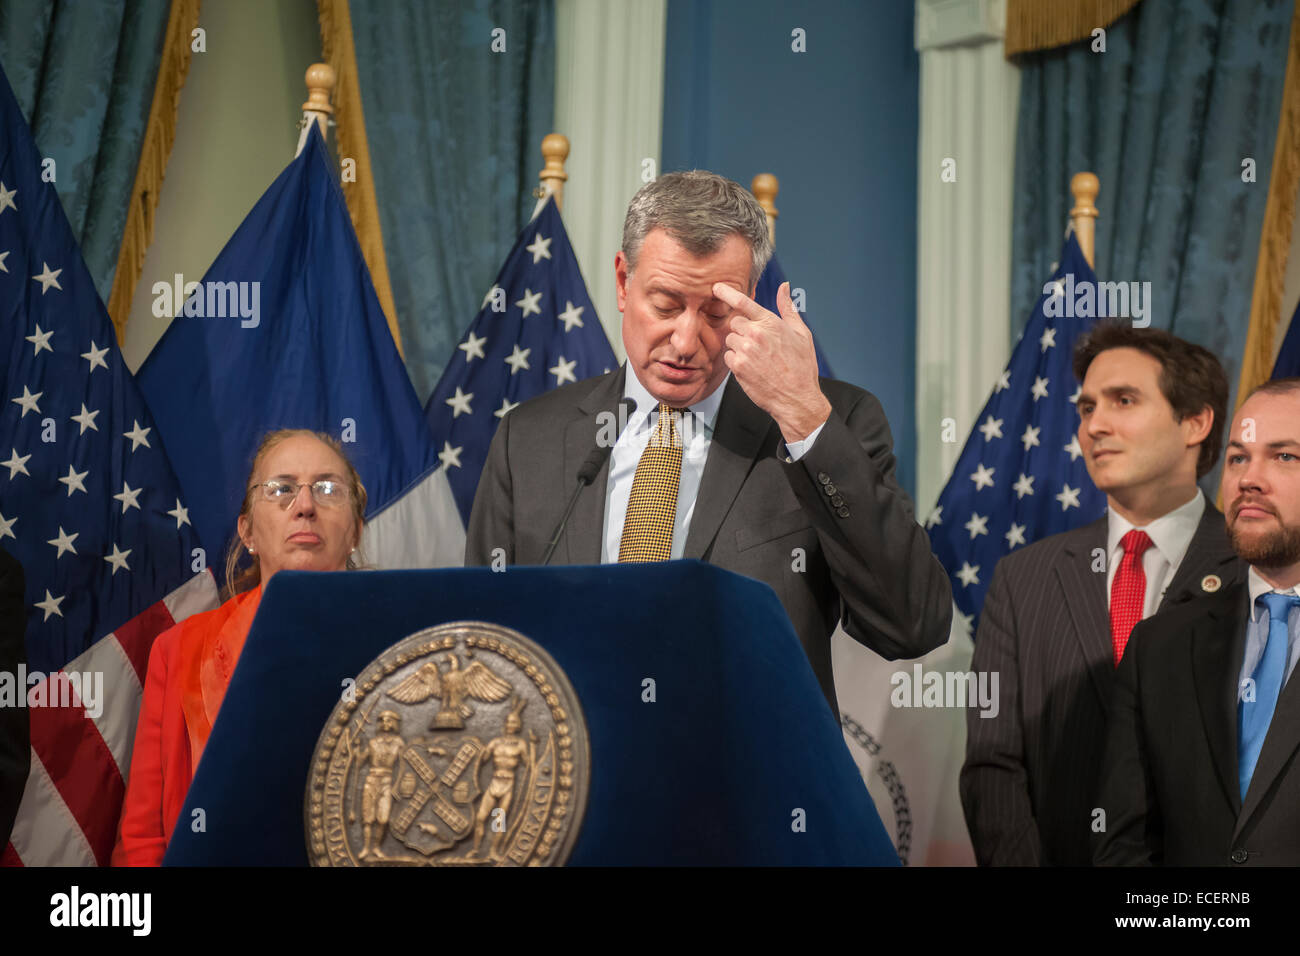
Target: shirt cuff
(797,449)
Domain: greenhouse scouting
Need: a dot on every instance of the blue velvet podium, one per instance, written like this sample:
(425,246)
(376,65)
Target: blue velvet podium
(711,773)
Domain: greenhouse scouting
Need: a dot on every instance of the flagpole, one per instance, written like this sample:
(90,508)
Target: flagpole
(765,186)
(1083,217)
(320,84)
(555,150)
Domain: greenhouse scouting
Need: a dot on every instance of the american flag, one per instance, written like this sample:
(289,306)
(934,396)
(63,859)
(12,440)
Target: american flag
(536,330)
(90,506)
(1021,475)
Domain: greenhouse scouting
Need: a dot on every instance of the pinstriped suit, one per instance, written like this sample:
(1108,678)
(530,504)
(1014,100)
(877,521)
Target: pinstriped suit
(1028,784)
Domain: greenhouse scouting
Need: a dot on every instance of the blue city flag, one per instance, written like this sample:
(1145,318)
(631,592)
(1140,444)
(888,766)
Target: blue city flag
(285,331)
(1288,356)
(536,330)
(90,507)
(1021,475)
(765,295)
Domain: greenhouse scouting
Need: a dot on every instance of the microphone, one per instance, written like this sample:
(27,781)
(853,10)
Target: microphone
(587,474)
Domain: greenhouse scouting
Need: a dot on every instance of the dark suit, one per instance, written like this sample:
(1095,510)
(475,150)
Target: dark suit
(868,563)
(15,733)
(1169,778)
(1030,775)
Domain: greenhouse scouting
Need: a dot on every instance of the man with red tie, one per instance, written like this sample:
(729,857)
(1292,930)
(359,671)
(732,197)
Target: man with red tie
(1058,614)
(1204,726)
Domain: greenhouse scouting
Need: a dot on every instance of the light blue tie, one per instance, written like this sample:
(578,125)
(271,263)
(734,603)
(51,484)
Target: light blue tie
(1254,716)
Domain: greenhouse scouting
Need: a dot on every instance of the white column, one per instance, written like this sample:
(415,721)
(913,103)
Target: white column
(969,97)
(609,79)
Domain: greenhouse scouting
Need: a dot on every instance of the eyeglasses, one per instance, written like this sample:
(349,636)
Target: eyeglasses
(323,492)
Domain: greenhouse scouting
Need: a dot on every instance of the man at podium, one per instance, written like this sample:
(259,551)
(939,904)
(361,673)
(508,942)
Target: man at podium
(717,440)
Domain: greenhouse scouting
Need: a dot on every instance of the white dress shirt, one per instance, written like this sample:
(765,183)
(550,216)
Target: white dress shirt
(1170,536)
(697,434)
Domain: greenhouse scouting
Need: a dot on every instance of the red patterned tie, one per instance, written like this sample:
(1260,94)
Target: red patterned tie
(1128,591)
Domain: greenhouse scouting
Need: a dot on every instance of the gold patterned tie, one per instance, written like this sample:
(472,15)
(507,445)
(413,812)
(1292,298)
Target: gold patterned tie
(648,526)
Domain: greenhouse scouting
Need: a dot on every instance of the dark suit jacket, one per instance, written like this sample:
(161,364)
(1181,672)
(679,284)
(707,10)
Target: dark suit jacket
(868,563)
(1169,778)
(15,732)
(1029,780)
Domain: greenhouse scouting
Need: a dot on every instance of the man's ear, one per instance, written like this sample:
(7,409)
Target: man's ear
(621,274)
(1199,426)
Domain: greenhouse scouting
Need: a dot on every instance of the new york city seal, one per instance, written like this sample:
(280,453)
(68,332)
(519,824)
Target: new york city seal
(461,745)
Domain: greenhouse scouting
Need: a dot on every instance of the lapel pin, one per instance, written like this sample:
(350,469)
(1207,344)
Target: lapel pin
(1211,583)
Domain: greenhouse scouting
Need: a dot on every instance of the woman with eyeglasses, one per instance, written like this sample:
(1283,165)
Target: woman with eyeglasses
(304,510)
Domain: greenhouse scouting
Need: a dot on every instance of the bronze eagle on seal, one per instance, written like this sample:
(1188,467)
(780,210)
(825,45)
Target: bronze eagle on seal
(452,686)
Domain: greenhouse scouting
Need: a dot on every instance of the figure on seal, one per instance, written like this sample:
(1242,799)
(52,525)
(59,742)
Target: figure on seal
(383,751)
(506,753)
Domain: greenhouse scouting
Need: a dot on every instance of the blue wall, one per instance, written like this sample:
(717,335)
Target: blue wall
(837,125)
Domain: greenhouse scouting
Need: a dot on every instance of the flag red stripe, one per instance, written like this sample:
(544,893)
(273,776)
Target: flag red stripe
(137,635)
(72,748)
(82,767)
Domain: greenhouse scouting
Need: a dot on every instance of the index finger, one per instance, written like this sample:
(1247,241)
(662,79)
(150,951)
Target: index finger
(740,302)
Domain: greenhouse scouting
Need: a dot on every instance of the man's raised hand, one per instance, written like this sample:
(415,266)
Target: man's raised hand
(774,361)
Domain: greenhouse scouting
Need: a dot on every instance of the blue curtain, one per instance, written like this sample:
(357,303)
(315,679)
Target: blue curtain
(84,74)
(1184,93)
(455,132)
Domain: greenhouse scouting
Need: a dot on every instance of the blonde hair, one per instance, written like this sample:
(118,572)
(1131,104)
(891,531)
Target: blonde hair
(244,575)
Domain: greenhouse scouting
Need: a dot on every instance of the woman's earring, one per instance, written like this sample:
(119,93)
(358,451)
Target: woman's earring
(250,549)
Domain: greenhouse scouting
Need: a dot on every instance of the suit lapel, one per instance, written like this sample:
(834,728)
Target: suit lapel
(1208,553)
(1218,640)
(586,524)
(1085,598)
(1280,742)
(737,439)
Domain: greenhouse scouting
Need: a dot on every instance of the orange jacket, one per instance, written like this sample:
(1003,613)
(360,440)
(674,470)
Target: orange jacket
(189,669)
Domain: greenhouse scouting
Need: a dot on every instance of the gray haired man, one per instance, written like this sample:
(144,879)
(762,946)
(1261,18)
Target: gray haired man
(735,452)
